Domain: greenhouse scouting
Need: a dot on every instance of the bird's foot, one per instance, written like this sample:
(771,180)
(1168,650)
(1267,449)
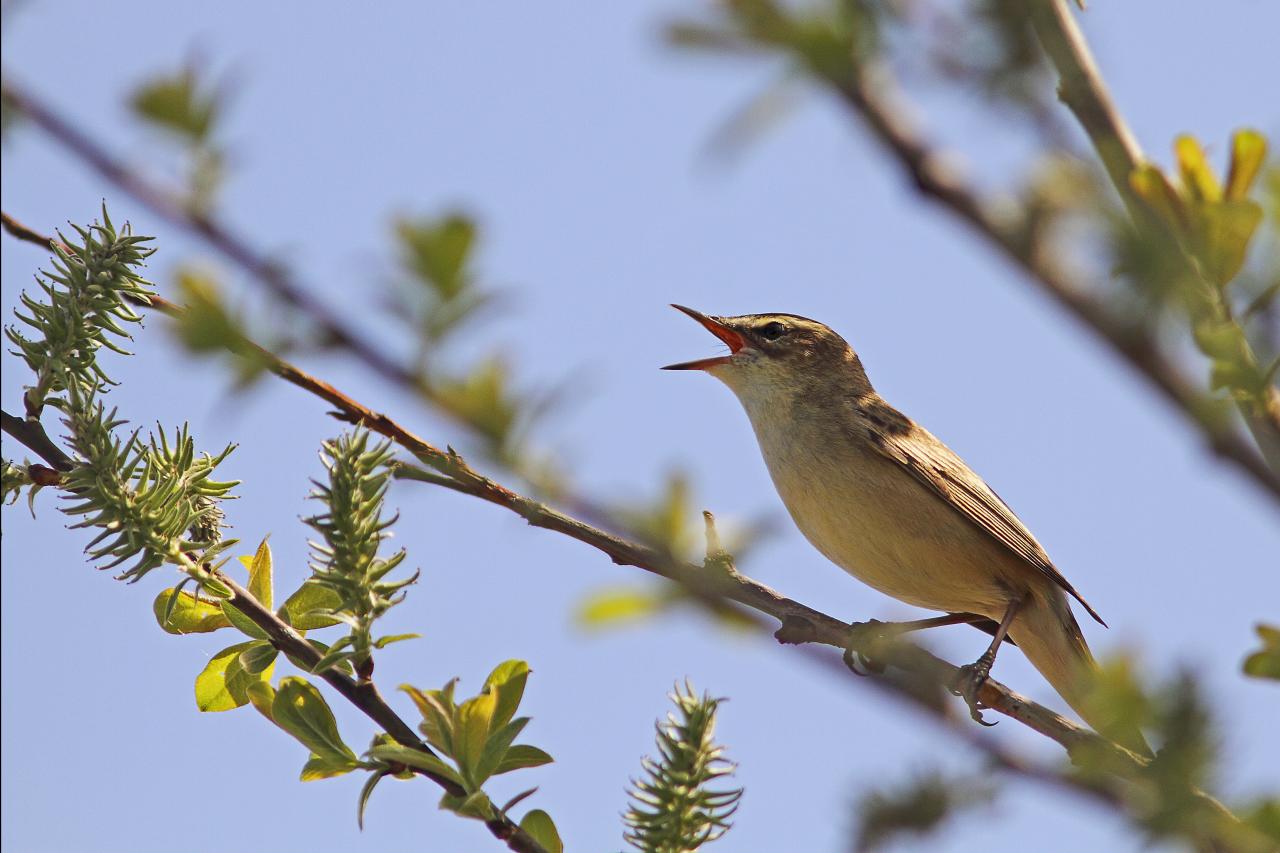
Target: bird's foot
(968,683)
(863,636)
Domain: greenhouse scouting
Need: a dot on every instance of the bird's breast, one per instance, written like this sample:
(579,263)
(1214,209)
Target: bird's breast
(872,518)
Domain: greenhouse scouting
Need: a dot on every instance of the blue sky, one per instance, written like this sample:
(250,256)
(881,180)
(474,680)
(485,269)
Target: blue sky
(578,140)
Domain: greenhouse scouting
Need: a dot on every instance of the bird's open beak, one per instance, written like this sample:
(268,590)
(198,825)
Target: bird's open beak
(731,338)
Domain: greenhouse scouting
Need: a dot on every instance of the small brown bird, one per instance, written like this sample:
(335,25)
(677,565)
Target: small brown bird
(893,506)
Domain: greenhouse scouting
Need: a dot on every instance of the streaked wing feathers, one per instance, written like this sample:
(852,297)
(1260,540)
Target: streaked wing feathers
(945,473)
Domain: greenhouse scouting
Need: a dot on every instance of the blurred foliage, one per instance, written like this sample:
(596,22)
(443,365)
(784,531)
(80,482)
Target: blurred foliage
(919,807)
(1265,663)
(1165,799)
(187,108)
(206,325)
(675,806)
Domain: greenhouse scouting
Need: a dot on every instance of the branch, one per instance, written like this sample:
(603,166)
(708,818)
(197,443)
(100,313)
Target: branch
(1083,90)
(799,624)
(365,696)
(31,434)
(925,167)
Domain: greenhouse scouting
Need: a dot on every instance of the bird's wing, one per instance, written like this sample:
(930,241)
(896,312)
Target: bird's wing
(934,464)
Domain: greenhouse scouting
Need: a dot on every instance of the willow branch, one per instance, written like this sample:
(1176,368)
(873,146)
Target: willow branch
(364,695)
(1084,92)
(863,91)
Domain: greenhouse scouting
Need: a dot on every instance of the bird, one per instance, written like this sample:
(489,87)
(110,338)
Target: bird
(883,499)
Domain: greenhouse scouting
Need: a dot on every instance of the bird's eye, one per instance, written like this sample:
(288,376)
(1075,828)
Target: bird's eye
(773,331)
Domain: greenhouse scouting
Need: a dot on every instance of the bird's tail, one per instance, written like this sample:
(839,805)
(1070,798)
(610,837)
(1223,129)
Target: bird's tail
(1047,633)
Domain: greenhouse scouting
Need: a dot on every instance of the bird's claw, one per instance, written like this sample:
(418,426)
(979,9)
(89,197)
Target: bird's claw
(862,635)
(968,684)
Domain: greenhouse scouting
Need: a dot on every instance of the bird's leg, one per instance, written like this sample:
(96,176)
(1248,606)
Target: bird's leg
(971,677)
(864,635)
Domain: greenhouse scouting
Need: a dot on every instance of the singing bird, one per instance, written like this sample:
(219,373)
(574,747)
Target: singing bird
(893,506)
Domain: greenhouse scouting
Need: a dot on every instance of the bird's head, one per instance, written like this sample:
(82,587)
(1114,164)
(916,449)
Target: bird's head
(777,353)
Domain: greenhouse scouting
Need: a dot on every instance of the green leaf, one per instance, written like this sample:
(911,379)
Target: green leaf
(1197,177)
(189,615)
(325,767)
(224,683)
(261,695)
(416,759)
(258,657)
(472,731)
(542,829)
(365,793)
(1223,233)
(259,566)
(241,622)
(383,642)
(507,682)
(436,251)
(301,710)
(1248,153)
(495,748)
(309,607)
(176,104)
(1265,663)
(520,756)
(438,714)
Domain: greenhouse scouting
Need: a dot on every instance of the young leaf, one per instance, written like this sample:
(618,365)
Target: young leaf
(241,622)
(495,749)
(1248,153)
(474,719)
(258,657)
(383,642)
(1265,663)
(542,829)
(299,709)
(438,714)
(309,607)
(520,756)
(1197,176)
(259,566)
(325,767)
(416,759)
(365,793)
(507,683)
(224,682)
(187,614)
(262,694)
